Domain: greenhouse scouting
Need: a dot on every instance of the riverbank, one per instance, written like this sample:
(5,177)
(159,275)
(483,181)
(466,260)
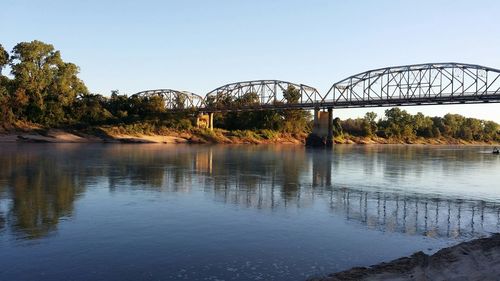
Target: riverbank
(418,140)
(117,134)
(475,260)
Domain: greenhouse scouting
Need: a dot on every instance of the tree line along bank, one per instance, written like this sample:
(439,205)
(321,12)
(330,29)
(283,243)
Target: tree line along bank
(45,90)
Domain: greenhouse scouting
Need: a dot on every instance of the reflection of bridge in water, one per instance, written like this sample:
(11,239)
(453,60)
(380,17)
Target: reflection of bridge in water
(35,194)
(391,211)
(382,211)
(416,214)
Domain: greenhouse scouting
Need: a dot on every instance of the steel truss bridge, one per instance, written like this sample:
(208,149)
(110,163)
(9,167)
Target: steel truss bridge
(173,99)
(419,84)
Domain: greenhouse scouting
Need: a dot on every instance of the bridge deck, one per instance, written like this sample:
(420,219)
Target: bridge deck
(493,98)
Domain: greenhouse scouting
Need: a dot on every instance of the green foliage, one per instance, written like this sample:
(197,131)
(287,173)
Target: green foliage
(118,105)
(149,127)
(184,124)
(292,121)
(179,101)
(90,109)
(363,127)
(355,127)
(46,90)
(245,134)
(4,58)
(337,127)
(399,124)
(291,94)
(423,125)
(6,114)
(209,135)
(370,124)
(45,86)
(268,134)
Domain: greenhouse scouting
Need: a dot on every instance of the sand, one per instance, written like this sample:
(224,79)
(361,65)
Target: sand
(226,137)
(475,260)
(60,136)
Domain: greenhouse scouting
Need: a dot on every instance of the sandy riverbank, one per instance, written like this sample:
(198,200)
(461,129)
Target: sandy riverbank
(111,135)
(105,136)
(61,136)
(475,260)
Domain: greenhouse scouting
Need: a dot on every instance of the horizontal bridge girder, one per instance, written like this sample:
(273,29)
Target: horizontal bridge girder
(340,105)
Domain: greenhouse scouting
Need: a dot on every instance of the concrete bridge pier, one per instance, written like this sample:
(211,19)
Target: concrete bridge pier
(322,133)
(206,121)
(329,137)
(211,121)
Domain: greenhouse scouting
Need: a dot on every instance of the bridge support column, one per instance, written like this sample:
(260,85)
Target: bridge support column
(322,133)
(211,121)
(205,121)
(316,119)
(329,138)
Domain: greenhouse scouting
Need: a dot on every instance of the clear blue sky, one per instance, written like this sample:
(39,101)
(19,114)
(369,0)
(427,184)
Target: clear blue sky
(200,45)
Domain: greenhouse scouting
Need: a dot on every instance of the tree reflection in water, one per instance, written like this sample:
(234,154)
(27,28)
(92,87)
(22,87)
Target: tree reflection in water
(40,183)
(41,189)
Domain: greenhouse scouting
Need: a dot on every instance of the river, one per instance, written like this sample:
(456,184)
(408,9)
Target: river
(223,212)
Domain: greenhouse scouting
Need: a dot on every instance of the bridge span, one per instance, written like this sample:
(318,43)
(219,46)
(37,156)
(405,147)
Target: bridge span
(409,85)
(419,84)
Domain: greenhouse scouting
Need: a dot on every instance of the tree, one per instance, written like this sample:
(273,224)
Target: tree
(50,84)
(423,125)
(291,94)
(152,105)
(180,100)
(89,109)
(247,99)
(4,58)
(33,65)
(246,119)
(118,105)
(370,123)
(355,127)
(452,124)
(337,127)
(6,114)
(490,131)
(398,124)
(438,126)
(475,126)
(294,120)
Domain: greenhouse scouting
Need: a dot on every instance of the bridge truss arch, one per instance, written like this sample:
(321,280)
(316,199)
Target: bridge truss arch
(174,99)
(267,94)
(420,84)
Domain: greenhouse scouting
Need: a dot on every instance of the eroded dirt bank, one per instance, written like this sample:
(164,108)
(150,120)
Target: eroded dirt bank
(113,135)
(171,137)
(475,260)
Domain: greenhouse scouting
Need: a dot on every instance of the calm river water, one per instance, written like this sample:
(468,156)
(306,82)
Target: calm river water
(180,212)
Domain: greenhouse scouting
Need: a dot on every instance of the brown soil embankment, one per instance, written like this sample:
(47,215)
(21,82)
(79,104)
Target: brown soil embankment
(475,260)
(117,135)
(171,137)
